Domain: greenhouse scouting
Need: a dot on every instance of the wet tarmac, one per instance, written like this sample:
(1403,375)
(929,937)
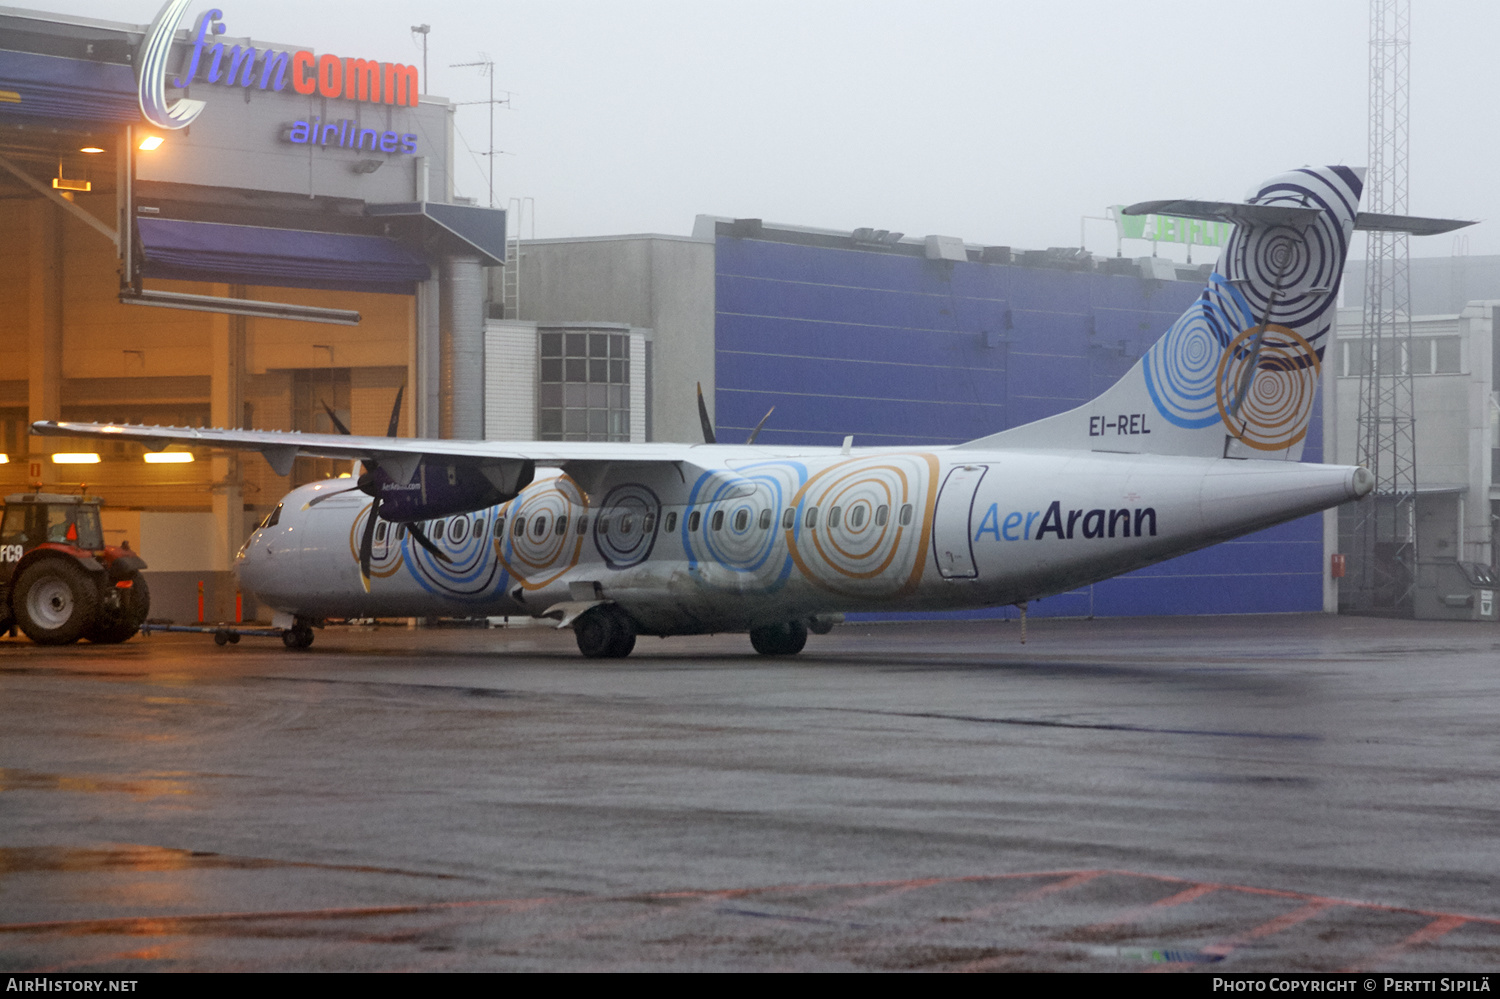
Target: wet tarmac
(1244,794)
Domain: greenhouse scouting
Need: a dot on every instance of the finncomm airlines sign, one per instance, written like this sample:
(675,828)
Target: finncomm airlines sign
(264,69)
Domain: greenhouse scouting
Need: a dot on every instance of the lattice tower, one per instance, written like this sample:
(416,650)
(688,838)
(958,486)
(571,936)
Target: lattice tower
(1385,542)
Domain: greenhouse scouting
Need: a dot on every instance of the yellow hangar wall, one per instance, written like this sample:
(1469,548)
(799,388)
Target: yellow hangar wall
(70,350)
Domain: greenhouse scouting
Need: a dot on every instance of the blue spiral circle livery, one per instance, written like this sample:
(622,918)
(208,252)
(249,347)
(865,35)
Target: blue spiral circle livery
(470,571)
(1181,368)
(739,525)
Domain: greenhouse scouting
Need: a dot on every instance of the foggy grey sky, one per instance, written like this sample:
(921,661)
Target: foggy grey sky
(1001,123)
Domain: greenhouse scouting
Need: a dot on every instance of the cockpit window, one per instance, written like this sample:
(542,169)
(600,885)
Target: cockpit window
(271,519)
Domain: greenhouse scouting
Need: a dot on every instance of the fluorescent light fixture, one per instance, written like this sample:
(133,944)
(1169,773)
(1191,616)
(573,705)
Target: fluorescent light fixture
(63,184)
(150,142)
(4,459)
(91,149)
(240,307)
(168,457)
(75,458)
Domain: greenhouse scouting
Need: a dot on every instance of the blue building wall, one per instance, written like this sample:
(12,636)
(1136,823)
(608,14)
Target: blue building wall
(901,350)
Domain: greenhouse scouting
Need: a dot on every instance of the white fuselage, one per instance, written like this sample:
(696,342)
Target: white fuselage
(742,537)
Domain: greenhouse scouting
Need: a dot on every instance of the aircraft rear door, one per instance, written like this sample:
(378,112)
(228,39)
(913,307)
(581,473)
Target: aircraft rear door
(952,536)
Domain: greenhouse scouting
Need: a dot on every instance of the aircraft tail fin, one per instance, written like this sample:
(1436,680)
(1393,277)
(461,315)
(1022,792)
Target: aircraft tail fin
(1237,374)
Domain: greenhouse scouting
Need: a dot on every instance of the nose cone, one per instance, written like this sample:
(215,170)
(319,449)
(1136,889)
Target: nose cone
(1361,482)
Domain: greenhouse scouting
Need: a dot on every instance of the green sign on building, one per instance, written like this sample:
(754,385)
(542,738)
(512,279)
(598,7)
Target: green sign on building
(1170,229)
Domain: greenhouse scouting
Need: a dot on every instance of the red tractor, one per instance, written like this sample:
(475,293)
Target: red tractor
(59,581)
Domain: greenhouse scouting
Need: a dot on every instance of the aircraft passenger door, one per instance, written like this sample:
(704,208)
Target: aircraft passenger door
(952,537)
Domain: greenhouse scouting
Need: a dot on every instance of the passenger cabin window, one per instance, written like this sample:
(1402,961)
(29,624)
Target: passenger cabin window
(648,523)
(562,526)
(765,518)
(583,525)
(741,519)
(693,519)
(671,521)
(380,527)
(519,530)
(882,514)
(811,520)
(626,523)
(833,516)
(906,515)
(789,519)
(459,529)
(539,527)
(856,517)
(500,526)
(437,529)
(718,520)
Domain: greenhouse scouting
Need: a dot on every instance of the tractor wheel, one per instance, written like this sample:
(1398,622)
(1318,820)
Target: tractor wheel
(128,621)
(779,639)
(55,602)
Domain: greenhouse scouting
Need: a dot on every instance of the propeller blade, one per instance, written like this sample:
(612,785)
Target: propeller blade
(367,543)
(708,427)
(421,538)
(329,495)
(396,413)
(338,423)
(756,432)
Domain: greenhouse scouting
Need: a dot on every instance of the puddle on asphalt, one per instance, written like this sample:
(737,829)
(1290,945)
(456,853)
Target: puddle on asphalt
(144,857)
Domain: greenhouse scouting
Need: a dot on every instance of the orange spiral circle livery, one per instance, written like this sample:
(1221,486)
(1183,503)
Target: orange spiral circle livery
(1278,405)
(538,553)
(385,551)
(872,514)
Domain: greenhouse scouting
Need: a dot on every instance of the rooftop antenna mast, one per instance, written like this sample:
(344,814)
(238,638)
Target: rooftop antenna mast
(1385,537)
(487,68)
(424,30)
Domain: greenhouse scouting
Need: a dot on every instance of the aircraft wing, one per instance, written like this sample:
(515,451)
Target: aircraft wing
(399,456)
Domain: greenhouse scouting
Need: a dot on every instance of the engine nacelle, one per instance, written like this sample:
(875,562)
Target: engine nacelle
(442,490)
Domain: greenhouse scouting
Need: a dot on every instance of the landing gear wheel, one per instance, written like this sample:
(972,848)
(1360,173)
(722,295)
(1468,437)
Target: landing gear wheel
(299,637)
(785,639)
(55,602)
(128,620)
(605,633)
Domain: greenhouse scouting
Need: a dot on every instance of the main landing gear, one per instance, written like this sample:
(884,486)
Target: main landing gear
(784,639)
(606,632)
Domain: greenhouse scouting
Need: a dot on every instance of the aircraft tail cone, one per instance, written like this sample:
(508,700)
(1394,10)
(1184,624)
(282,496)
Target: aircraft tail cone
(1361,482)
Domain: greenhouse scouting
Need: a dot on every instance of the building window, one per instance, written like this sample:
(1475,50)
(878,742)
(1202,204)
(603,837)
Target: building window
(1425,355)
(1435,355)
(312,388)
(584,394)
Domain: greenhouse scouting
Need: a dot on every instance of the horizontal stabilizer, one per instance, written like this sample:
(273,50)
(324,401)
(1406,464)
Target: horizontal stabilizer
(1229,211)
(1375,222)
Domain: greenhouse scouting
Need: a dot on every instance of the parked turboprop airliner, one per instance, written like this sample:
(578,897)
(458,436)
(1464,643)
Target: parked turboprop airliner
(1198,443)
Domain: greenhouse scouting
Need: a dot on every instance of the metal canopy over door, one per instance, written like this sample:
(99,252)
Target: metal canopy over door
(952,540)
